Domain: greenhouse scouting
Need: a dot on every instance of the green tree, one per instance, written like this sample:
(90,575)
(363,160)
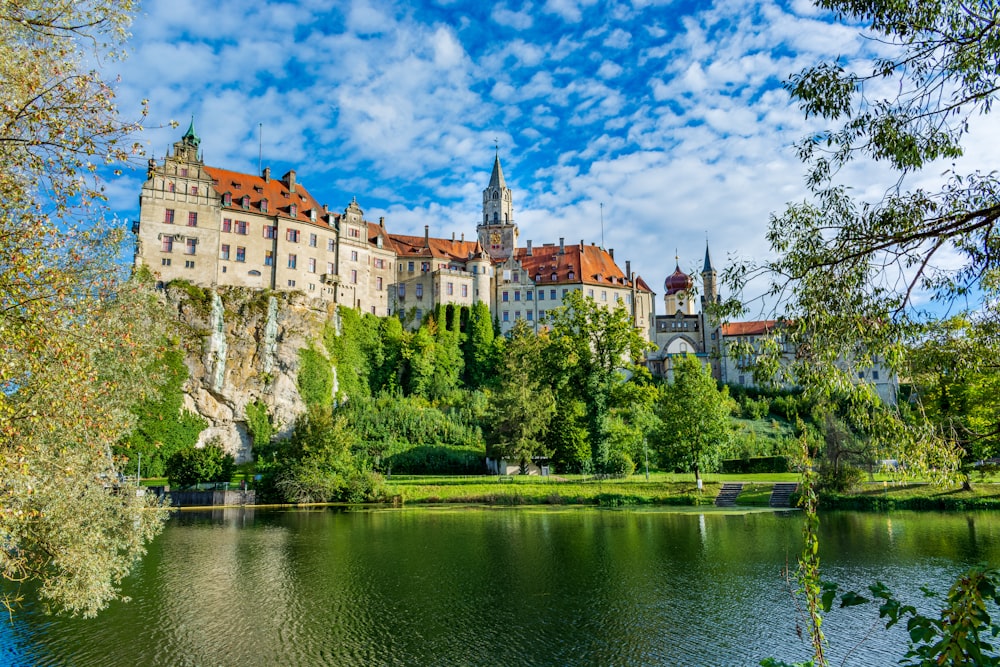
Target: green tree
(590,348)
(195,465)
(478,347)
(695,428)
(75,339)
(850,269)
(162,424)
(522,406)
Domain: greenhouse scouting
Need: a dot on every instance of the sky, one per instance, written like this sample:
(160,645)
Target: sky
(646,126)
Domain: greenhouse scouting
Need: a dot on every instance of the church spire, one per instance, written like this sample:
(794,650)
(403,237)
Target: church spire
(708,261)
(496,178)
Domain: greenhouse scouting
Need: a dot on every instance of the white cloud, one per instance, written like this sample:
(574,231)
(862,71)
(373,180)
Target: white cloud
(521,20)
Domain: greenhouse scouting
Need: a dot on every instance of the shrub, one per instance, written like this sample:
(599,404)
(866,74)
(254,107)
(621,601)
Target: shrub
(842,478)
(757,464)
(437,460)
(193,465)
(619,464)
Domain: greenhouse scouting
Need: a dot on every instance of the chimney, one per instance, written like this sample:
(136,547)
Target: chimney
(611,251)
(628,269)
(581,245)
(267,174)
(529,248)
(463,237)
(427,236)
(381,221)
(326,209)
(453,237)
(562,245)
(289,178)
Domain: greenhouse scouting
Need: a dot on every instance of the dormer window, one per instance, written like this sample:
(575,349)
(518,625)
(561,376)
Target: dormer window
(555,276)
(227,199)
(263,206)
(538,277)
(571,275)
(245,201)
(293,211)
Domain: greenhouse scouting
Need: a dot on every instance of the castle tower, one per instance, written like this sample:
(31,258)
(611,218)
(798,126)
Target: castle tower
(677,293)
(709,281)
(497,231)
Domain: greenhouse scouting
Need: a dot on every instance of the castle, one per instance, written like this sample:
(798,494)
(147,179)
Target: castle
(215,227)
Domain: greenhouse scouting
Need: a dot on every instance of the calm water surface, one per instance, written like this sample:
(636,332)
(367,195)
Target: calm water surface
(471,586)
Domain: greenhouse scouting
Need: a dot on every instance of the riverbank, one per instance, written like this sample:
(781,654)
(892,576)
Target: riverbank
(668,490)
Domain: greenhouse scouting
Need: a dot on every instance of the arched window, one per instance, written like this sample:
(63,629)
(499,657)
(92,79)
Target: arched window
(496,217)
(496,195)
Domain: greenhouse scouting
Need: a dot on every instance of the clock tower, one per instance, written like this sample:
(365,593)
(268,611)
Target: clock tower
(497,231)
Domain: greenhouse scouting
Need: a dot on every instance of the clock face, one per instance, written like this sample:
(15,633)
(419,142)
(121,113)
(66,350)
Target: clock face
(495,238)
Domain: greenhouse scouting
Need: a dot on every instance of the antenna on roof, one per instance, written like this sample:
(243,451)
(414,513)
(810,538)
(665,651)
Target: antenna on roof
(260,146)
(602,224)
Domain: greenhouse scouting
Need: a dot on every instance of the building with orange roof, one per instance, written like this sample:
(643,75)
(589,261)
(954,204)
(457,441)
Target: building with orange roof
(216,227)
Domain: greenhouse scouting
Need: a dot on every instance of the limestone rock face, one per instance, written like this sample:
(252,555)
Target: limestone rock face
(242,345)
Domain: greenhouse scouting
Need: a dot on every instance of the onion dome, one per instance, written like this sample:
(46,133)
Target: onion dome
(678,281)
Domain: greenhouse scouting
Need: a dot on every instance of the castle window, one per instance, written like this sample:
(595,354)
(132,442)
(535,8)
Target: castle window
(245,201)
(312,240)
(188,264)
(354,233)
(190,246)
(555,276)
(420,291)
(449,289)
(241,227)
(378,283)
(401,290)
(167,244)
(571,275)
(496,217)
(529,315)
(514,277)
(292,235)
(312,265)
(552,294)
(241,254)
(192,219)
(465,290)
(170,187)
(293,210)
(590,293)
(506,316)
(184,171)
(329,268)
(517,295)
(270,232)
(227,224)
(425,266)
(227,199)
(224,251)
(263,206)
(268,258)
(604,295)
(528,295)
(194,189)
(329,248)
(165,261)
(354,255)
(506,297)
(291,283)
(292,261)
(168,216)
(409,267)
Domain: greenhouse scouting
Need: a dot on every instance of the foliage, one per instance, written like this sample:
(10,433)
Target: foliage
(567,437)
(389,424)
(696,429)
(74,338)
(259,424)
(354,352)
(478,347)
(590,347)
(757,465)
(315,378)
(436,460)
(316,465)
(955,371)
(195,465)
(162,424)
(522,406)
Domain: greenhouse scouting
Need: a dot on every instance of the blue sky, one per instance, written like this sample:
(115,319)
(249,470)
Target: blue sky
(670,114)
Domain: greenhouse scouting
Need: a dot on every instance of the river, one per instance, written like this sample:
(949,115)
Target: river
(490,586)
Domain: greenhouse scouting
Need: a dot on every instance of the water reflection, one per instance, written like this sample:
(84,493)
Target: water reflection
(460,586)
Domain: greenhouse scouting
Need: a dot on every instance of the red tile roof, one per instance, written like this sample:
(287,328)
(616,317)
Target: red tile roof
(417,246)
(275,191)
(755,328)
(586,264)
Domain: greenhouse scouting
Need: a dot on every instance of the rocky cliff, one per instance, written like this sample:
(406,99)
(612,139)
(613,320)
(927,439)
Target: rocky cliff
(243,345)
